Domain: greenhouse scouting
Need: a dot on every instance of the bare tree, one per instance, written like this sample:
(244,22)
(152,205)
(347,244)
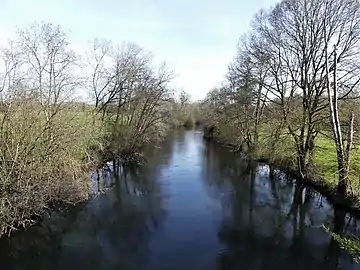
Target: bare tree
(184,98)
(129,93)
(279,76)
(39,143)
(343,155)
(296,57)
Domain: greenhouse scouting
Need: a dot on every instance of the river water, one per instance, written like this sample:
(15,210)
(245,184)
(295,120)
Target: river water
(194,205)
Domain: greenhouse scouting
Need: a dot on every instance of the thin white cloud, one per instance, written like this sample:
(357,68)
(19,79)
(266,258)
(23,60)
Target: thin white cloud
(196,38)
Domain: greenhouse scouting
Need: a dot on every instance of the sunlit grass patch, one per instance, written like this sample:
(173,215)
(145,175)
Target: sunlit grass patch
(326,163)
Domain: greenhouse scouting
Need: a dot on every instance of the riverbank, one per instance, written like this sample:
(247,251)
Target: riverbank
(349,203)
(193,205)
(54,219)
(318,183)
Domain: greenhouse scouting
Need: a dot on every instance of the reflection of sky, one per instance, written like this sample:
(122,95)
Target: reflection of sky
(193,206)
(197,209)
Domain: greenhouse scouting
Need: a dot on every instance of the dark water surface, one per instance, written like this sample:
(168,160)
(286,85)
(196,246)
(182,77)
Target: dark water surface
(195,205)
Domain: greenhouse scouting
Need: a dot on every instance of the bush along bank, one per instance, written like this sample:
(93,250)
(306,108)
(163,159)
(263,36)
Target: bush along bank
(50,138)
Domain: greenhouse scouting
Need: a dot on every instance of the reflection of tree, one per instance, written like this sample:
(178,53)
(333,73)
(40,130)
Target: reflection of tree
(298,210)
(268,220)
(121,228)
(111,231)
(333,252)
(220,166)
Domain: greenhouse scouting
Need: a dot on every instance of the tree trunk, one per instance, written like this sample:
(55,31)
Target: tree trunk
(302,168)
(344,172)
(343,159)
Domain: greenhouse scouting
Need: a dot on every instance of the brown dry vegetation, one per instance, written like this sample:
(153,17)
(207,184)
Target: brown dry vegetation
(49,139)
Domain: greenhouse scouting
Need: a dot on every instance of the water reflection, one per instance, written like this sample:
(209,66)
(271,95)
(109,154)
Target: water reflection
(111,232)
(194,205)
(271,221)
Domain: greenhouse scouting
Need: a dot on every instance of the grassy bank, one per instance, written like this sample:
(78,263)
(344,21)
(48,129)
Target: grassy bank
(325,167)
(323,176)
(325,159)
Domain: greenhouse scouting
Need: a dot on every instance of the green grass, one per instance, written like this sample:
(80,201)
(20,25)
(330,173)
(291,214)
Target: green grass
(325,157)
(326,162)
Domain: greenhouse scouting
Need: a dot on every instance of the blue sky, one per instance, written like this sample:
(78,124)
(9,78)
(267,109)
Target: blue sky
(196,38)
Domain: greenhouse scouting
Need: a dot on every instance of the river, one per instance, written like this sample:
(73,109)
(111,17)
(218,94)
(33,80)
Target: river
(194,205)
